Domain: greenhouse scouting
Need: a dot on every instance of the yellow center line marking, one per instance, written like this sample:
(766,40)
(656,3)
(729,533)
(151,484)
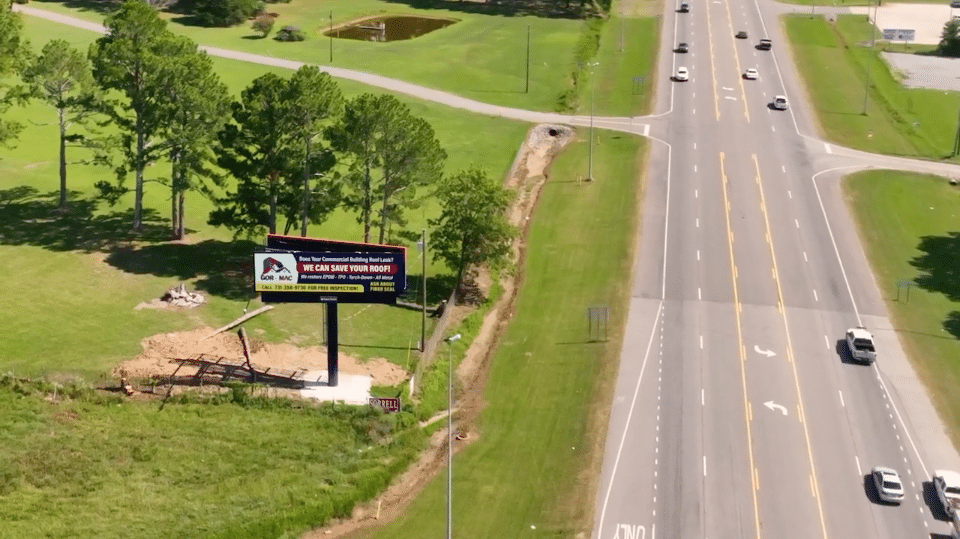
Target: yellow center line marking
(743,354)
(713,69)
(736,57)
(796,379)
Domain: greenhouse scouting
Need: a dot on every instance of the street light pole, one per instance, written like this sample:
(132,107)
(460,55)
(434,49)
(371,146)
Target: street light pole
(450,341)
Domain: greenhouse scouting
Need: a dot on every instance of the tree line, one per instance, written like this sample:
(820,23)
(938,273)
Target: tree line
(284,156)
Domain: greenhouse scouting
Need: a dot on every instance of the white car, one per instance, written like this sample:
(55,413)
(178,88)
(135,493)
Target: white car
(682,74)
(947,485)
(860,344)
(780,102)
(889,486)
(751,74)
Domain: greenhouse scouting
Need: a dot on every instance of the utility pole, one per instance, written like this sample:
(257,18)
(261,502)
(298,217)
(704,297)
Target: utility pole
(590,155)
(527,89)
(331,36)
(450,341)
(423,312)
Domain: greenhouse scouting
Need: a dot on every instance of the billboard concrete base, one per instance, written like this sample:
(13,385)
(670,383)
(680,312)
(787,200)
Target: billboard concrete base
(350,388)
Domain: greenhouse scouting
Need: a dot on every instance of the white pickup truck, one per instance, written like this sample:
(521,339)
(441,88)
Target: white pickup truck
(860,343)
(947,485)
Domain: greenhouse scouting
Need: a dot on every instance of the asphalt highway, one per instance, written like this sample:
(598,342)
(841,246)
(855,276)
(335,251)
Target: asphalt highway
(737,412)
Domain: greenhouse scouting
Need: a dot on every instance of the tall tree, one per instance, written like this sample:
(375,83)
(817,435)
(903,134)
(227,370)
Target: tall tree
(13,59)
(127,59)
(472,228)
(61,76)
(411,157)
(259,152)
(313,101)
(357,137)
(195,104)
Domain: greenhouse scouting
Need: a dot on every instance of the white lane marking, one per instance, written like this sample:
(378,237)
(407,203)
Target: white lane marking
(853,302)
(859,471)
(730,97)
(703,401)
(815,295)
(699,297)
(768,353)
(701,342)
(827,146)
(694,145)
(633,403)
(783,168)
(698,254)
(694,111)
(772,128)
(805,259)
(797,222)
(790,194)
(704,465)
(696,193)
(841,398)
(728,89)
(774,406)
(826,340)
(694,168)
(698,222)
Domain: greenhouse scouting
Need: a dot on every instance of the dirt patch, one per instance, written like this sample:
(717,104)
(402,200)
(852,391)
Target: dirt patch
(158,351)
(527,177)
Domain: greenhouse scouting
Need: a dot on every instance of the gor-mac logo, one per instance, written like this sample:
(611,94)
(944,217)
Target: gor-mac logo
(277,268)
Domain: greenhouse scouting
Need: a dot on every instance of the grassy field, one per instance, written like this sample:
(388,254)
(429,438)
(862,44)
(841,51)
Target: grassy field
(89,283)
(908,226)
(626,77)
(898,120)
(540,419)
(483,56)
(93,467)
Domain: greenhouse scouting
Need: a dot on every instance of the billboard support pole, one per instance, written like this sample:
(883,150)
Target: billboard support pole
(423,310)
(332,344)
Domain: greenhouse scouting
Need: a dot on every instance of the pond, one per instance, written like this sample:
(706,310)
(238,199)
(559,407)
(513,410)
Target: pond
(391,28)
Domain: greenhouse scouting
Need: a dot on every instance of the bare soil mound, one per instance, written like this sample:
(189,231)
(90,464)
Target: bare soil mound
(159,350)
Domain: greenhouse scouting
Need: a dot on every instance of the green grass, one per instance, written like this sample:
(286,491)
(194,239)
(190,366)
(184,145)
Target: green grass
(483,56)
(547,385)
(99,468)
(58,323)
(898,120)
(625,79)
(908,226)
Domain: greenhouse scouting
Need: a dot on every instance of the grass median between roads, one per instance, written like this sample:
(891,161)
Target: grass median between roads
(835,59)
(84,277)
(908,226)
(541,435)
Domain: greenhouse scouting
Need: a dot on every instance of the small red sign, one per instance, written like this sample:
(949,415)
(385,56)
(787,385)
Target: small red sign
(388,405)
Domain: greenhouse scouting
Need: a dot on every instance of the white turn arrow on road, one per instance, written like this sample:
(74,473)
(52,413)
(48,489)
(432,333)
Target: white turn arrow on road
(772,406)
(768,353)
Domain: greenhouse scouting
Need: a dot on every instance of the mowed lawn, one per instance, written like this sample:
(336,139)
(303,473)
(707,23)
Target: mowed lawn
(74,282)
(898,120)
(908,224)
(482,56)
(548,387)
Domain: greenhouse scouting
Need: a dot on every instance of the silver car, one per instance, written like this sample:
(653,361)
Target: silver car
(888,484)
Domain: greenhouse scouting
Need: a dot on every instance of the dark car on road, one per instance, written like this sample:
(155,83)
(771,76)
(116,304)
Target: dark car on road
(741,35)
(683,47)
(765,45)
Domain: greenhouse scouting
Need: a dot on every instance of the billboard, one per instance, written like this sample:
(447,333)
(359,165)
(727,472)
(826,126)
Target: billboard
(308,270)
(896,34)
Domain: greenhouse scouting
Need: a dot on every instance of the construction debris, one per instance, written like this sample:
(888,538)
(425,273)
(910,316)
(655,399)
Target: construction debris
(179,297)
(240,320)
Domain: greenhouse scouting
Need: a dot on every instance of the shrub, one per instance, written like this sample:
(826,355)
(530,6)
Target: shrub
(263,24)
(290,33)
(20,1)
(225,12)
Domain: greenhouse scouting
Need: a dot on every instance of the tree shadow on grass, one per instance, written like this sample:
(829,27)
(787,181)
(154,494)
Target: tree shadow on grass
(939,267)
(103,7)
(28,217)
(553,9)
(220,268)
